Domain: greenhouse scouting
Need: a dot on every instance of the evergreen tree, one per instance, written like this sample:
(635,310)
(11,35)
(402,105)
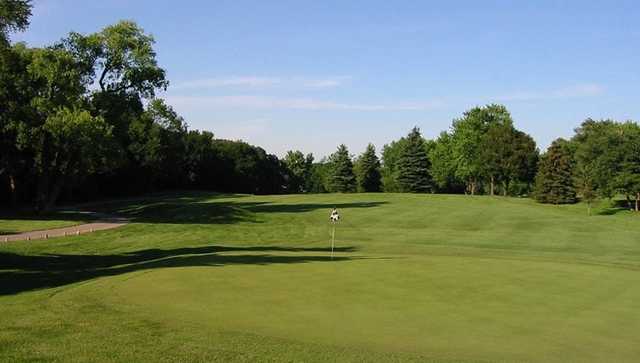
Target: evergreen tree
(368,171)
(413,165)
(341,177)
(554,181)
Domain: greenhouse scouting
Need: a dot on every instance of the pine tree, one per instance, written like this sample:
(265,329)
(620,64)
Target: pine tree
(368,171)
(341,177)
(554,181)
(413,165)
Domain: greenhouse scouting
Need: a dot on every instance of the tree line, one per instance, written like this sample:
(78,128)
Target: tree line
(80,119)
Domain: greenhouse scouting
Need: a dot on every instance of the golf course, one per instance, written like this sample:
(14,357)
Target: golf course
(414,277)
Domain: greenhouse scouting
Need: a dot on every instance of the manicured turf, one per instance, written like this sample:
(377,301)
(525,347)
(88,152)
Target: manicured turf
(203,277)
(11,223)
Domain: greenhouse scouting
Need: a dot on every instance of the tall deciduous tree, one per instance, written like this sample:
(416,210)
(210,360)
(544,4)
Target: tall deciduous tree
(158,144)
(390,155)
(413,165)
(120,58)
(70,145)
(507,155)
(598,153)
(368,171)
(554,180)
(627,179)
(467,139)
(298,170)
(443,164)
(341,177)
(14,16)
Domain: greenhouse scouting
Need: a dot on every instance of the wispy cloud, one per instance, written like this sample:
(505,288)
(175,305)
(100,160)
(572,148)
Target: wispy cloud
(251,82)
(582,90)
(262,82)
(326,82)
(267,102)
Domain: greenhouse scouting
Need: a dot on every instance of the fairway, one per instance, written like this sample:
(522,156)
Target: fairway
(443,278)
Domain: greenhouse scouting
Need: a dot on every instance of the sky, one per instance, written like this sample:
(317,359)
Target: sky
(310,75)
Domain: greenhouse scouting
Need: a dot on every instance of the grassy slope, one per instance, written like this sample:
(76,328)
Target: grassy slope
(417,277)
(10,225)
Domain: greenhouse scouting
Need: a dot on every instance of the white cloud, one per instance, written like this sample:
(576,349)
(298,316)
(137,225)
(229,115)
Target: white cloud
(582,90)
(266,102)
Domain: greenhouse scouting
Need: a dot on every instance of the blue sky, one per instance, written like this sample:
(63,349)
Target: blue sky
(310,75)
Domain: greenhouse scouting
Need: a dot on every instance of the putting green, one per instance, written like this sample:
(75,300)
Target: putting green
(415,278)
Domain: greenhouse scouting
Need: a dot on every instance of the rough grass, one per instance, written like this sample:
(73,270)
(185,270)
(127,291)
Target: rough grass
(203,277)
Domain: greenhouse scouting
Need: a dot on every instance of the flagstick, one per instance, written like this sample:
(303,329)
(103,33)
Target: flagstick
(333,235)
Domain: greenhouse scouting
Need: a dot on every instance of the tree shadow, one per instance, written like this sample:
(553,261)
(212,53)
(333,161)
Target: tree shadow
(223,212)
(191,208)
(19,273)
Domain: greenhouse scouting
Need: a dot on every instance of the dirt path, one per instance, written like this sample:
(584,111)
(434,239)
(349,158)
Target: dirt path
(101,223)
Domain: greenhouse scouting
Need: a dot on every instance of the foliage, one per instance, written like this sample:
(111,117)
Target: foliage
(298,171)
(367,168)
(413,165)
(121,58)
(389,171)
(554,181)
(507,156)
(443,164)
(467,141)
(69,146)
(14,16)
(341,177)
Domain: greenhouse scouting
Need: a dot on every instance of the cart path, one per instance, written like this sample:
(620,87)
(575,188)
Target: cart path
(101,223)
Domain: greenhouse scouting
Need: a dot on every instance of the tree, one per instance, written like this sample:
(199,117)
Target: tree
(598,153)
(341,177)
(318,177)
(584,182)
(298,170)
(507,155)
(120,58)
(389,171)
(158,144)
(413,165)
(443,164)
(14,16)
(554,180)
(71,144)
(368,171)
(627,179)
(467,136)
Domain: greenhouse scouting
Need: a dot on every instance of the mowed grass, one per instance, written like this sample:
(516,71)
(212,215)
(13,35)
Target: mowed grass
(11,223)
(206,277)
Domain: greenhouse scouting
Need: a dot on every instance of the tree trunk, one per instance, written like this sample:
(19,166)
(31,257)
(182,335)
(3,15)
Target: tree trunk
(473,187)
(505,187)
(637,201)
(52,197)
(589,208)
(493,184)
(12,187)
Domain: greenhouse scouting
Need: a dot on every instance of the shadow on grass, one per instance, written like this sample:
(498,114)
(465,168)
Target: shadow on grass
(198,208)
(223,212)
(19,273)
